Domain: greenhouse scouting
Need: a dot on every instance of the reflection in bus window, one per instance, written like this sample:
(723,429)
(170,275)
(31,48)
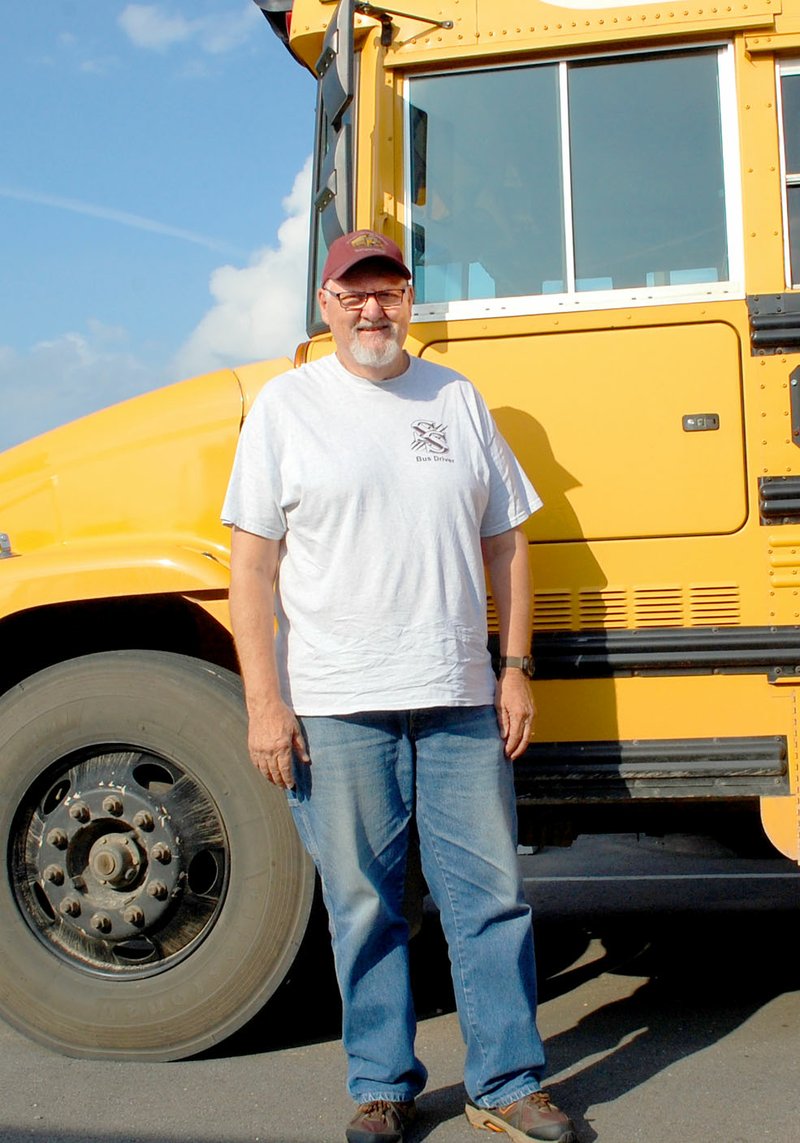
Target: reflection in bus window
(487,183)
(512,195)
(790,99)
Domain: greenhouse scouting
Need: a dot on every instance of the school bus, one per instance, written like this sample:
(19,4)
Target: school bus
(601,206)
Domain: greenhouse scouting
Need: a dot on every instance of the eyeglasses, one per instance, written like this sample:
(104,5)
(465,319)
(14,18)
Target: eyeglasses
(357,299)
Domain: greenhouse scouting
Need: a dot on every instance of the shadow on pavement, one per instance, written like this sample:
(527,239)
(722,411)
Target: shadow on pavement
(703,973)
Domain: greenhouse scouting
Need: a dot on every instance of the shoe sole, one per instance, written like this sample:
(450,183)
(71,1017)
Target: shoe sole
(371,1137)
(482,1119)
(356,1135)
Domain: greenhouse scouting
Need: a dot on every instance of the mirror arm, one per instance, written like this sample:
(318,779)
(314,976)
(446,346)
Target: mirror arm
(385,17)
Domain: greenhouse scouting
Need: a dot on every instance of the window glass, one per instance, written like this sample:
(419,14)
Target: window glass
(486,211)
(793,200)
(493,215)
(647,175)
(790,93)
(790,98)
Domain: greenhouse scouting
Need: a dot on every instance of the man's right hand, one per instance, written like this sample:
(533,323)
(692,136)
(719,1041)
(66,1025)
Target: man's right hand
(274,736)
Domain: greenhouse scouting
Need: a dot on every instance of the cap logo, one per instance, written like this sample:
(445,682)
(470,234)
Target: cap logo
(365,241)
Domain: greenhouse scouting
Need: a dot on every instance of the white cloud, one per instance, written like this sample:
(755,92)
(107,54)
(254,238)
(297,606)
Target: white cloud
(259,311)
(103,65)
(67,377)
(149,26)
(154,27)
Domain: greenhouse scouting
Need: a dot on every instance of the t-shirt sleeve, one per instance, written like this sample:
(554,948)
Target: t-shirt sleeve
(512,497)
(253,501)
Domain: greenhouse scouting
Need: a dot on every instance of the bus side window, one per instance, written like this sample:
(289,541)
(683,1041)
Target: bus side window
(488,223)
(790,121)
(568,178)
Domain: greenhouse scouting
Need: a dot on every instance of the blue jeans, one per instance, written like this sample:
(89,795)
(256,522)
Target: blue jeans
(369,774)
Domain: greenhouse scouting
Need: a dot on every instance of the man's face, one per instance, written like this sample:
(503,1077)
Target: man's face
(369,342)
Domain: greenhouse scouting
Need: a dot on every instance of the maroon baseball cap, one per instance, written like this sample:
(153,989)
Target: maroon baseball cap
(359,246)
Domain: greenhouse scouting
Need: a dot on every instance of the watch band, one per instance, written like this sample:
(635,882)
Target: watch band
(525,663)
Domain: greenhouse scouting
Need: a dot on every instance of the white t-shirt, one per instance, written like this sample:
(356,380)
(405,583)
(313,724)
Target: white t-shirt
(380,493)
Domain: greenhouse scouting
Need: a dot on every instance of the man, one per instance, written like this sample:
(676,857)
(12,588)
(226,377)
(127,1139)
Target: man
(369,489)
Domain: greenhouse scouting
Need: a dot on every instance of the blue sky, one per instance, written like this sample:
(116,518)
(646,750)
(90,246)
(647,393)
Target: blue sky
(153,199)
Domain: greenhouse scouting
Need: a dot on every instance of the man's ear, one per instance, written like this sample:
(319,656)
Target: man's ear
(322,301)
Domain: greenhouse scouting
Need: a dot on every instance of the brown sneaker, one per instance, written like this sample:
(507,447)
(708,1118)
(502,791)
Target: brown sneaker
(380,1122)
(533,1117)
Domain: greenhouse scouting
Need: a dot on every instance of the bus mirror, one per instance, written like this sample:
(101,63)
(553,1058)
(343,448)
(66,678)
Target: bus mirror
(335,65)
(333,193)
(332,197)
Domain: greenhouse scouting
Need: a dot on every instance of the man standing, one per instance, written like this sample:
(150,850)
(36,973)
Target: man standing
(368,492)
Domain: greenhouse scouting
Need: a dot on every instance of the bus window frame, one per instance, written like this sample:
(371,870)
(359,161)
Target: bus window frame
(590,300)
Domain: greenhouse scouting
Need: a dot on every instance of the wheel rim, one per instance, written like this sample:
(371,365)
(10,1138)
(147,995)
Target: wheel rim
(119,862)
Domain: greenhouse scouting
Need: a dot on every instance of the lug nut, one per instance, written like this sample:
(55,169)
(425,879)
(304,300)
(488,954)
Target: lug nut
(54,874)
(157,889)
(101,922)
(112,805)
(70,907)
(133,915)
(161,852)
(80,812)
(143,820)
(58,838)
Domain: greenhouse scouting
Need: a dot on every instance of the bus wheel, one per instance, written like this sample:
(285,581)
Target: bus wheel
(156,892)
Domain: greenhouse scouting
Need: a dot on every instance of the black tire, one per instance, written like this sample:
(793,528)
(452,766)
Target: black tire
(156,890)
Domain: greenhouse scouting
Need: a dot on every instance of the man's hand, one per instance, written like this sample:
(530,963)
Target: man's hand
(516,711)
(274,736)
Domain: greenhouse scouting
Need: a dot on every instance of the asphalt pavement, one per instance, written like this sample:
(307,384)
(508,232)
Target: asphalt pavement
(669,1001)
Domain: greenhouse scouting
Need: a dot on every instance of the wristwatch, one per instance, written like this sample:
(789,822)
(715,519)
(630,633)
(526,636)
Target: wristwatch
(525,664)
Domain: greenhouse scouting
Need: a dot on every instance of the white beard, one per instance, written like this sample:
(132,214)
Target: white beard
(376,356)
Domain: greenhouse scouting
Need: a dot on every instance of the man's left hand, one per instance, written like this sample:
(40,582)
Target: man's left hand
(516,711)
